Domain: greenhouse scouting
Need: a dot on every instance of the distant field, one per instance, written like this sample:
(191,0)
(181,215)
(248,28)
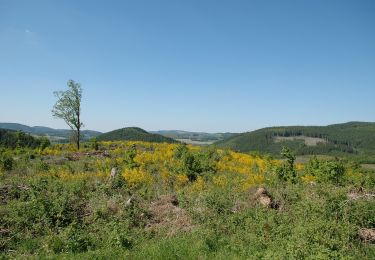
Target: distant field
(306,158)
(369,166)
(54,139)
(196,138)
(309,141)
(193,142)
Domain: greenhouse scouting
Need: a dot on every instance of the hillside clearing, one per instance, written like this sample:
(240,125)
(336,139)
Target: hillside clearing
(310,141)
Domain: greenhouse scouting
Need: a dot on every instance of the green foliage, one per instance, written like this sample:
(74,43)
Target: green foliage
(312,166)
(13,139)
(42,166)
(118,182)
(44,143)
(6,161)
(287,171)
(94,143)
(129,156)
(134,134)
(68,108)
(72,240)
(196,163)
(331,171)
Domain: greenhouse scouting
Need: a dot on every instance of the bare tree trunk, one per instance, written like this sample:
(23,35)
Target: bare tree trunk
(78,137)
(78,130)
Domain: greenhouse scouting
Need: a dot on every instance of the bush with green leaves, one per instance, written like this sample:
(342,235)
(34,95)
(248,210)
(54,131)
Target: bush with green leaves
(196,163)
(129,156)
(287,171)
(17,139)
(6,161)
(332,171)
(94,143)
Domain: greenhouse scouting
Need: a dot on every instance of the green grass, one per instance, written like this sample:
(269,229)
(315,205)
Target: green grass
(315,222)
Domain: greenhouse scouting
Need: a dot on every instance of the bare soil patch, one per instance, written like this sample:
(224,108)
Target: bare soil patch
(166,215)
(258,196)
(367,235)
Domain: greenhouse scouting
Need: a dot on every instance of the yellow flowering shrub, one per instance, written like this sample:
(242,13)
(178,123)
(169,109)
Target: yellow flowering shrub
(137,177)
(308,178)
(181,180)
(251,181)
(156,162)
(198,185)
(299,166)
(242,163)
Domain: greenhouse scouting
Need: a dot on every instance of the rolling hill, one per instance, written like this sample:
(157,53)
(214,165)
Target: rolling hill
(134,134)
(53,134)
(353,138)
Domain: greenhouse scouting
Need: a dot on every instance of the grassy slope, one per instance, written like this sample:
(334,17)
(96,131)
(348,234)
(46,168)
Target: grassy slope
(349,138)
(134,134)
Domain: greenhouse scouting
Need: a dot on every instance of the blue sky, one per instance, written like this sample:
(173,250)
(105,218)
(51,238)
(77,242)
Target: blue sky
(196,65)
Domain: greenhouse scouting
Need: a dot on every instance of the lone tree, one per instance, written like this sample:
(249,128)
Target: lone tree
(68,107)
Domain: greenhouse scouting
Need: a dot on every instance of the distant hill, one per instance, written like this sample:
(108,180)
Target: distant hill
(353,138)
(52,134)
(194,136)
(134,134)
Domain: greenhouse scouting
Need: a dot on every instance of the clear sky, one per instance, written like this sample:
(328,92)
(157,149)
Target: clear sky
(200,65)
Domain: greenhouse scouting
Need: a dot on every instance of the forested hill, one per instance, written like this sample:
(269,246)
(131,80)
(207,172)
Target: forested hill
(134,134)
(353,138)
